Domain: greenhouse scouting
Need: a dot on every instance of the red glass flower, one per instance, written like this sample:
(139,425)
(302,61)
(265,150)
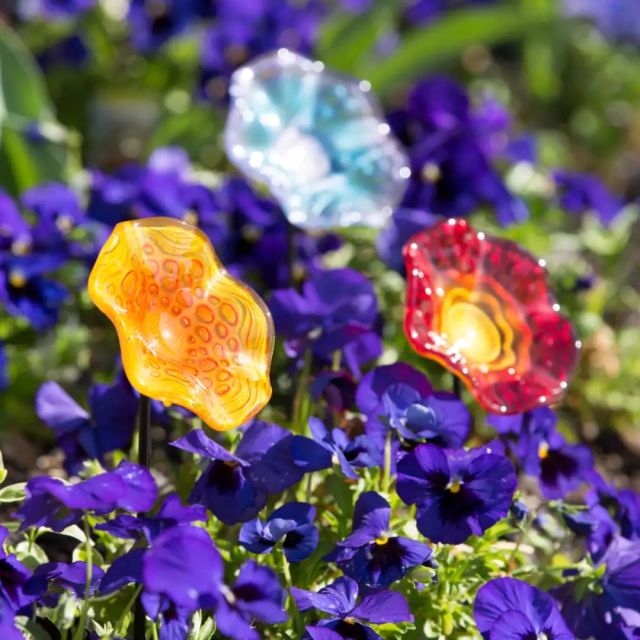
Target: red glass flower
(482,307)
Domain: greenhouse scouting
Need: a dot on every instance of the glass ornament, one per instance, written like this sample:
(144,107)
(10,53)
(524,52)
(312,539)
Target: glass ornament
(482,307)
(190,334)
(317,140)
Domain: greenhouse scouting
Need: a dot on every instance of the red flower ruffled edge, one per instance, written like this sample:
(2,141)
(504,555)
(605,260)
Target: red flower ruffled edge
(544,350)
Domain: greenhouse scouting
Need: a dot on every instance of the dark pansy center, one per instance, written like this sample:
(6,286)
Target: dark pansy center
(349,629)
(225,476)
(292,539)
(248,592)
(555,464)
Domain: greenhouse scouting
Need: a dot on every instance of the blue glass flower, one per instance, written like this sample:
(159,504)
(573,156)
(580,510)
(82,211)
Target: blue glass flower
(317,140)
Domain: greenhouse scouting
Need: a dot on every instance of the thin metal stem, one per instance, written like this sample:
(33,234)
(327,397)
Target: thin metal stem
(144,459)
(457,386)
(144,432)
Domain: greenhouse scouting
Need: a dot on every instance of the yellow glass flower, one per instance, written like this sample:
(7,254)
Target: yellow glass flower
(190,334)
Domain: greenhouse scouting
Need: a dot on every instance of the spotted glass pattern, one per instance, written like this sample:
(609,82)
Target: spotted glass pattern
(482,307)
(190,334)
(317,140)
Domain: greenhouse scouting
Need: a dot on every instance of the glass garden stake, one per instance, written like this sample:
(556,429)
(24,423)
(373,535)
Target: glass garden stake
(190,334)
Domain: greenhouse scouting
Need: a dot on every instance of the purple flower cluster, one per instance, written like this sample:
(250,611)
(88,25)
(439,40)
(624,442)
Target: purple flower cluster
(36,240)
(380,501)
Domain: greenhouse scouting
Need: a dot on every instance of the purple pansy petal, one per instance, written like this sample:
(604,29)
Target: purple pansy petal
(141,488)
(57,409)
(505,595)
(371,519)
(183,565)
(383,607)
(348,629)
(301,542)
(418,472)
(513,625)
(124,570)
(259,438)
(372,387)
(258,594)
(320,633)
(198,443)
(338,598)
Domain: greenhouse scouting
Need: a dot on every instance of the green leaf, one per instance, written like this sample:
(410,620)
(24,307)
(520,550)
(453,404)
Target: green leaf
(27,159)
(13,492)
(346,41)
(3,471)
(31,629)
(426,48)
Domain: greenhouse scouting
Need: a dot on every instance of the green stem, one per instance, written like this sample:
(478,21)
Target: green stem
(154,631)
(523,533)
(286,571)
(308,487)
(301,391)
(386,474)
(79,634)
(295,614)
(127,609)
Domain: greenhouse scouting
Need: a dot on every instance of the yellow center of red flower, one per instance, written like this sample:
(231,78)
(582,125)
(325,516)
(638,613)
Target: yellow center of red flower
(473,332)
(475,327)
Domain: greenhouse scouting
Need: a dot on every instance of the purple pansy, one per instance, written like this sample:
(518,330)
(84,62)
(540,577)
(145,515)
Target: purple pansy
(292,523)
(403,224)
(336,388)
(350,453)
(348,617)
(57,9)
(267,461)
(372,555)
(374,385)
(400,398)
(26,292)
(184,566)
(425,11)
(255,596)
(171,514)
(247,28)
(52,503)
(559,466)
(458,493)
(154,23)
(13,578)
(509,609)
(581,193)
(15,232)
(612,512)
(57,211)
(452,172)
(71,52)
(49,580)
(619,20)
(608,609)
(80,434)
(337,310)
